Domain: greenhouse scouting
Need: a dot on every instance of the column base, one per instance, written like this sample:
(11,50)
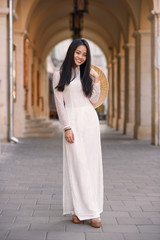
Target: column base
(120,126)
(143,132)
(109,121)
(114,122)
(129,129)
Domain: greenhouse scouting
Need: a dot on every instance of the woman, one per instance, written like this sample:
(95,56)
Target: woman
(76,87)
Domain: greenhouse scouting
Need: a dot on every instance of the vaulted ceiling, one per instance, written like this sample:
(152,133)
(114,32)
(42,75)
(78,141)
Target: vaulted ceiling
(107,24)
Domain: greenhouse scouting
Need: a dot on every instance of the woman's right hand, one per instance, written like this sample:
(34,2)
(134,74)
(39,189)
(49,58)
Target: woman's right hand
(69,136)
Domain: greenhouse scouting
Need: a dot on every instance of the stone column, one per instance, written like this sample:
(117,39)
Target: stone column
(129,121)
(19,111)
(46,94)
(41,93)
(4,73)
(121,91)
(114,93)
(109,114)
(143,84)
(35,107)
(30,109)
(155,62)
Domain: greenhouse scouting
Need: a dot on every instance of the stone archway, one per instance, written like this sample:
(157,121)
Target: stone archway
(122,30)
(115,37)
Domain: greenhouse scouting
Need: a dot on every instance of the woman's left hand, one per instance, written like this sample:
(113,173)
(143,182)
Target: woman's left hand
(94,74)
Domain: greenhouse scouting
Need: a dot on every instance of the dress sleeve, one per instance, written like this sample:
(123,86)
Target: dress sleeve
(59,101)
(96,93)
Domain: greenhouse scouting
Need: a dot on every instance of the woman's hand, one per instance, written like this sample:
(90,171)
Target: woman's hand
(69,136)
(94,74)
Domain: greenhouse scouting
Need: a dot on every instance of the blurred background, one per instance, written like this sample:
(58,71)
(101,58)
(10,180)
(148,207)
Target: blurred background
(124,36)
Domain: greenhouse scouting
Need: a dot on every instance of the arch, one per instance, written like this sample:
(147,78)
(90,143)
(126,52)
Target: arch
(121,44)
(88,34)
(49,33)
(144,12)
(35,19)
(133,8)
(131,30)
(41,22)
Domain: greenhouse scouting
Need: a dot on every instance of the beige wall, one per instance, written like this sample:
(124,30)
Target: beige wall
(3,70)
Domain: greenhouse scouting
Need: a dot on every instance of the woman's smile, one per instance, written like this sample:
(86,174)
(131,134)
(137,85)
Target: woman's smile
(78,60)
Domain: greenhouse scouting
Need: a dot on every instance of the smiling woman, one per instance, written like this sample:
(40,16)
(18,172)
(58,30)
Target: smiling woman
(75,91)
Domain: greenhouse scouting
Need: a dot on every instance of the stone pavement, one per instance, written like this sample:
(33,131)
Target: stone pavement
(31,191)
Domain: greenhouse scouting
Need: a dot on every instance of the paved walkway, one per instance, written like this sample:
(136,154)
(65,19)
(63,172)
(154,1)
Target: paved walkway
(31,191)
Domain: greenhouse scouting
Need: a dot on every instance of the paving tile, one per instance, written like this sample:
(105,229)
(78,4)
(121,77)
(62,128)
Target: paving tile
(56,207)
(9,206)
(113,203)
(21,212)
(22,200)
(48,227)
(34,206)
(38,196)
(12,196)
(150,228)
(147,198)
(6,219)
(3,234)
(155,220)
(65,236)
(114,214)
(120,228)
(144,214)
(119,198)
(137,203)
(49,201)
(26,235)
(151,208)
(20,226)
(50,213)
(126,208)
(56,219)
(5,226)
(109,220)
(133,221)
(104,236)
(8,226)
(141,236)
(5,200)
(21,219)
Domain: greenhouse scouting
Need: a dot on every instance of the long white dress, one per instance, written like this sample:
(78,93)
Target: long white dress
(82,160)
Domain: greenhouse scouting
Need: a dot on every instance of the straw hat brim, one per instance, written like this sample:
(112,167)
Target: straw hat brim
(104,86)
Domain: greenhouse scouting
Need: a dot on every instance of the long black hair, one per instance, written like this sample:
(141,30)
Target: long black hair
(68,65)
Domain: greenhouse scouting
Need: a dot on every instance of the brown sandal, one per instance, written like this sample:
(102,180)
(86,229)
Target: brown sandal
(96,222)
(75,219)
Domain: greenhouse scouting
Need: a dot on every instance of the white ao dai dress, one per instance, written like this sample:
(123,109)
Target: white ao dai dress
(82,160)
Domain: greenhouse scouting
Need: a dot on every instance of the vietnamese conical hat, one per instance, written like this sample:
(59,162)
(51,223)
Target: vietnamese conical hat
(104,86)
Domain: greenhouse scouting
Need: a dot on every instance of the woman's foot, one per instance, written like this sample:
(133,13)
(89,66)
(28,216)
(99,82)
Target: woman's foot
(96,222)
(75,219)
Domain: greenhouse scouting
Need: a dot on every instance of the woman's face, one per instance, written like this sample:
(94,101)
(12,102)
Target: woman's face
(80,55)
